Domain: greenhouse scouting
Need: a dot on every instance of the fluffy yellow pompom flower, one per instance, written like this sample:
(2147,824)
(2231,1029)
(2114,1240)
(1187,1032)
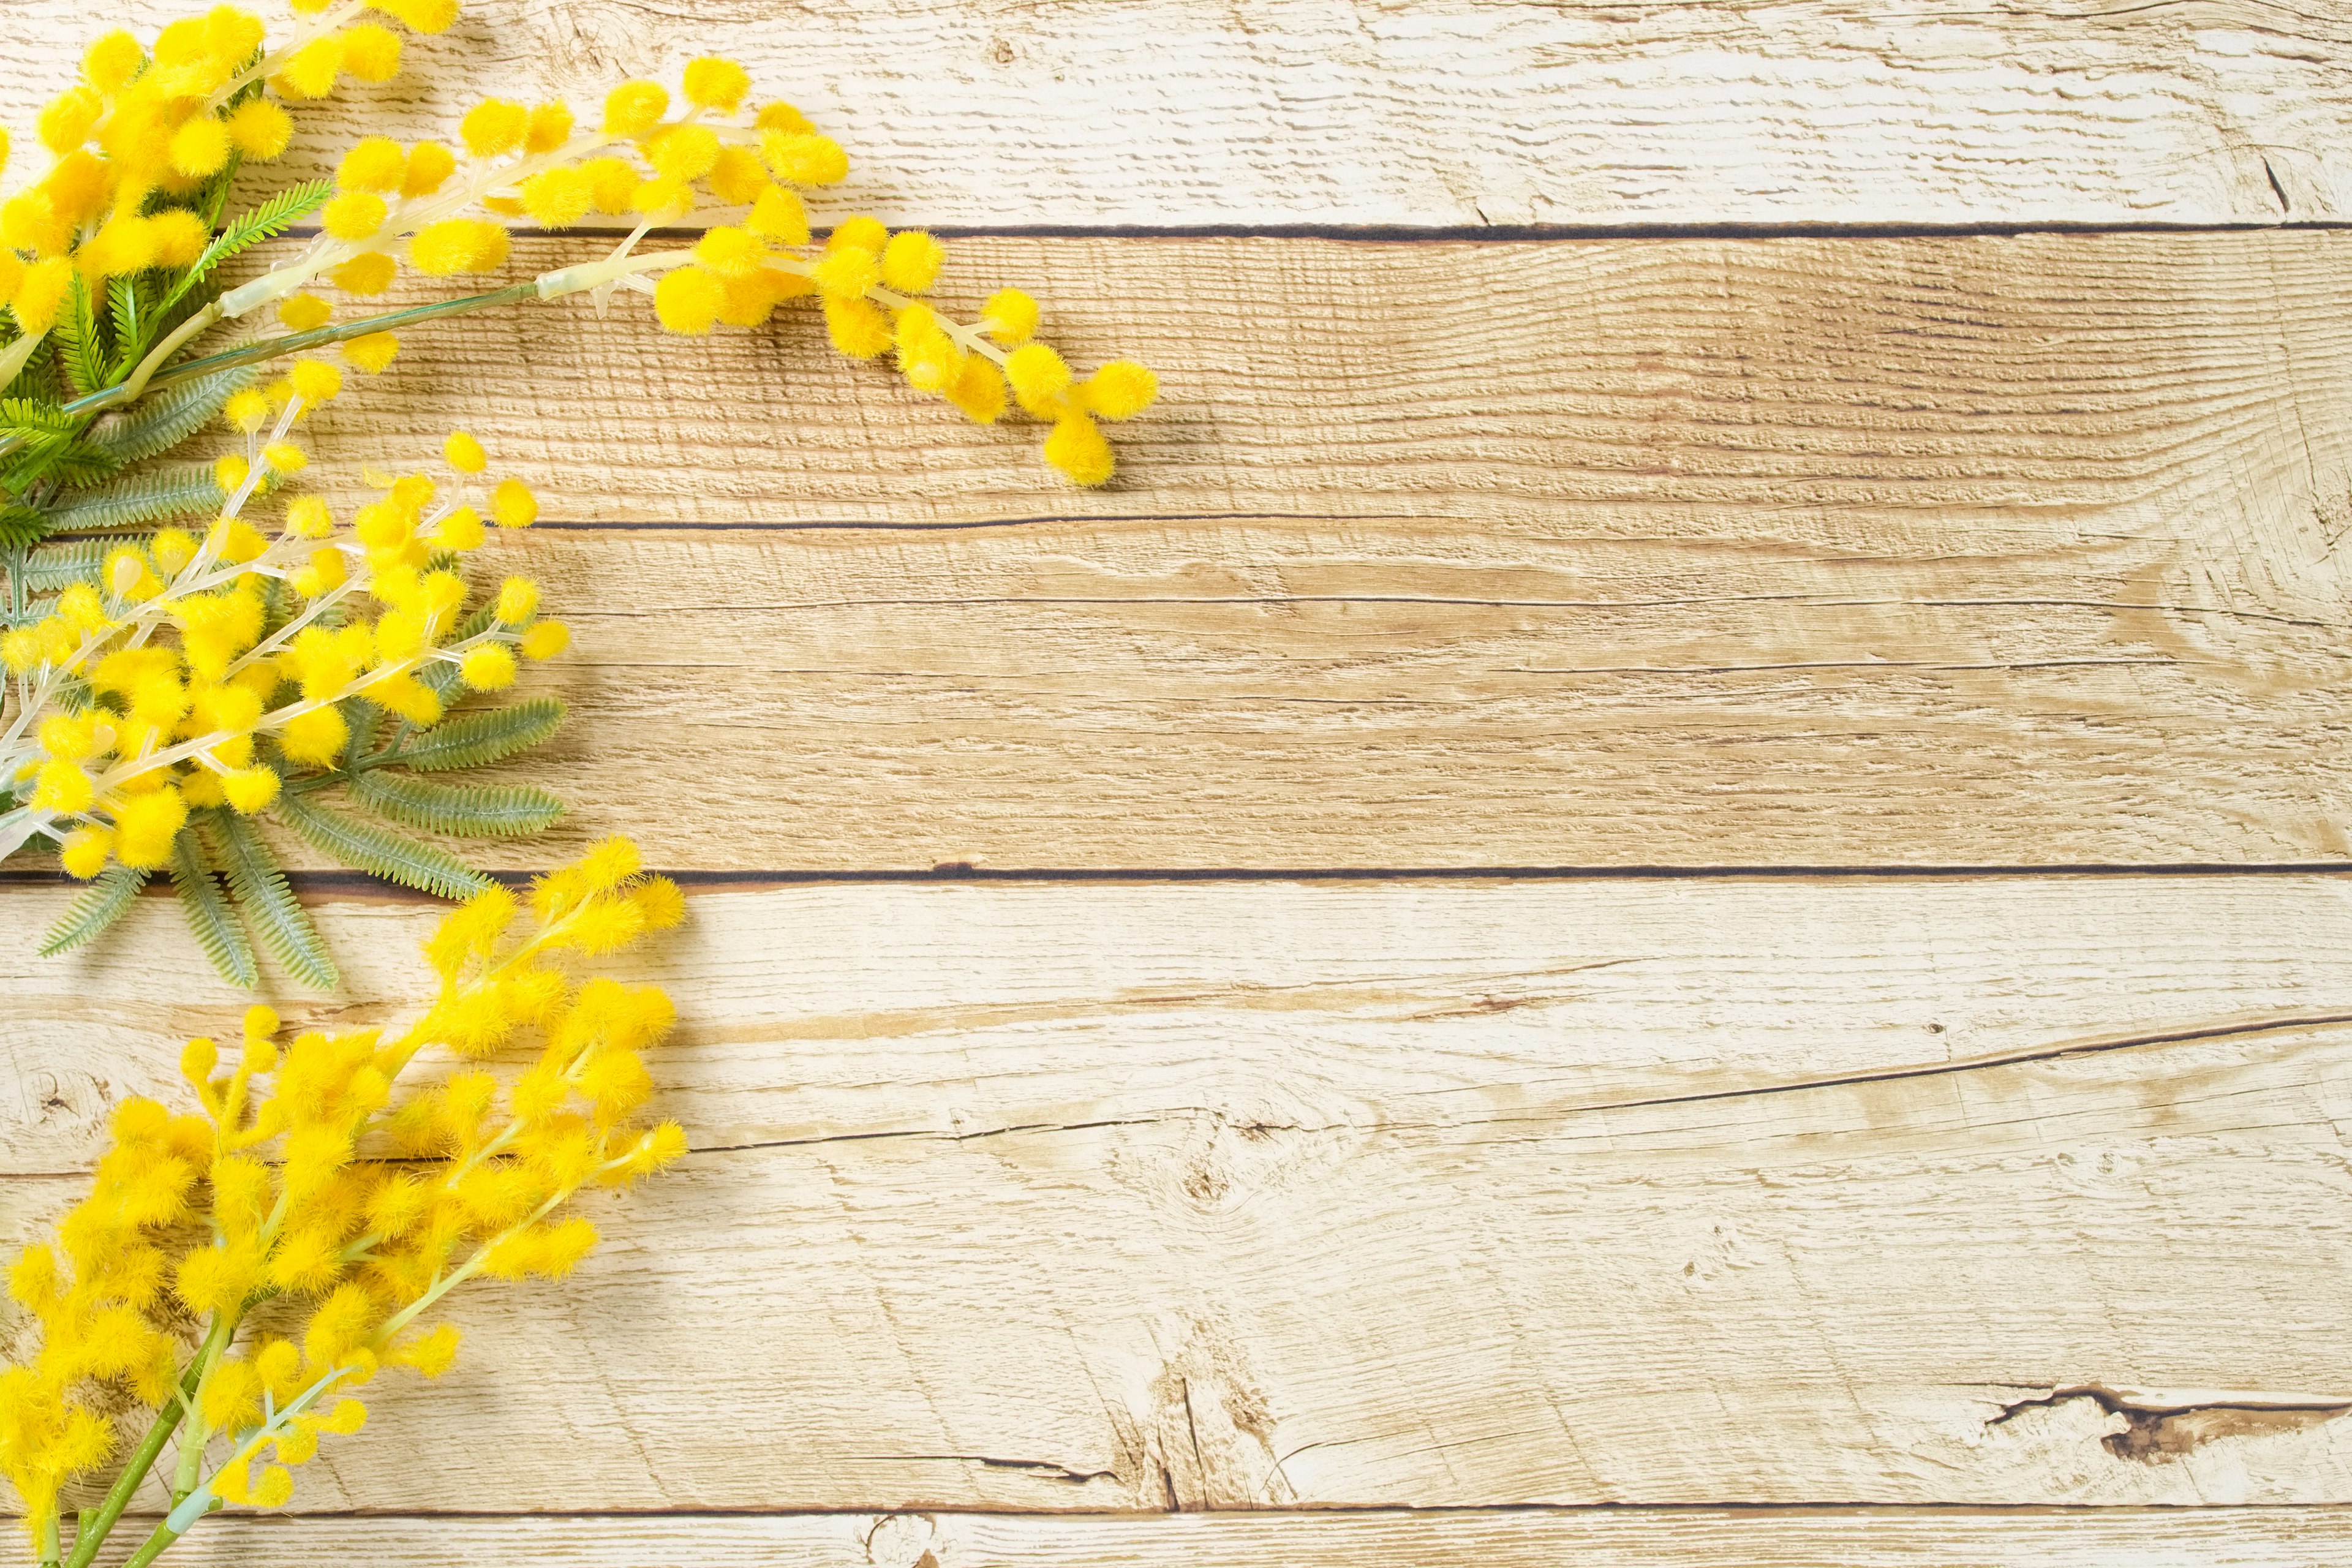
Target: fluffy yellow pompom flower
(375,163)
(304,313)
(315,380)
(518,600)
(1120,390)
(804,159)
(200,147)
(371,53)
(248,410)
(558,197)
(311,71)
(260,129)
(544,640)
(353,216)
(494,126)
(634,108)
(1039,377)
(367,274)
(1009,317)
(1077,448)
(426,16)
(86,852)
(249,790)
(689,300)
(682,152)
(463,453)
(716,85)
(489,667)
(513,505)
(781,216)
(912,261)
(112,60)
(429,164)
(458,244)
(41,294)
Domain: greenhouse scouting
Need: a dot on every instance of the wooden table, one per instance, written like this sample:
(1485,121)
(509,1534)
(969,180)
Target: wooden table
(1666,884)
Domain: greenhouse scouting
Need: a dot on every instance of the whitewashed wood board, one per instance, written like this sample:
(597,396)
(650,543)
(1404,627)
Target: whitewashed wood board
(1796,552)
(1567,1191)
(1159,113)
(1614,1538)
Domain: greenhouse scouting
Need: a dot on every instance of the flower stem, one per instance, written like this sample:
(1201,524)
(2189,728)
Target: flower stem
(134,1470)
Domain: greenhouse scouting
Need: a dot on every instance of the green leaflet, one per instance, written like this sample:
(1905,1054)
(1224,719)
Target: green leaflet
(101,904)
(272,218)
(50,567)
(20,525)
(471,740)
(183,489)
(379,851)
(162,420)
(470,811)
(122,305)
(28,419)
(81,347)
(209,916)
(259,884)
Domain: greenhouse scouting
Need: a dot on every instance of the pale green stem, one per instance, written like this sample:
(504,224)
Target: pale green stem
(14,357)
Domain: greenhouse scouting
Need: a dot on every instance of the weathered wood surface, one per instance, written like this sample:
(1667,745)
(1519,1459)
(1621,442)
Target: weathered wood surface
(1250,1195)
(1171,113)
(1979,1190)
(1944,552)
(1619,1538)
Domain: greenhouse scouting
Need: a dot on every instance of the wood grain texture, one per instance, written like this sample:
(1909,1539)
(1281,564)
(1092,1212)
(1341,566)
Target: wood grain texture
(1847,1537)
(1193,1196)
(1986,552)
(1163,113)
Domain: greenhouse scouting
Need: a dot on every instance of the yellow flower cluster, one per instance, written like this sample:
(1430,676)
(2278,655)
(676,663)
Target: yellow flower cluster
(266,1212)
(201,668)
(136,142)
(640,160)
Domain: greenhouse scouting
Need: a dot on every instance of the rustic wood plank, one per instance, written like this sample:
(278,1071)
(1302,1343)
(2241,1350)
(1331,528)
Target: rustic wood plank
(1287,111)
(1978,551)
(1984,1190)
(1618,1538)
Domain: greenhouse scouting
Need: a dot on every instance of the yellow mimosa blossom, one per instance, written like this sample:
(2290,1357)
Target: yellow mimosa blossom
(245,1269)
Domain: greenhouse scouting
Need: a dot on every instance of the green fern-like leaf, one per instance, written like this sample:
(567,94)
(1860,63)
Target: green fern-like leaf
(271,218)
(162,420)
(209,916)
(183,489)
(29,419)
(79,463)
(52,566)
(471,740)
(268,904)
(380,851)
(467,811)
(106,900)
(21,525)
(82,348)
(122,303)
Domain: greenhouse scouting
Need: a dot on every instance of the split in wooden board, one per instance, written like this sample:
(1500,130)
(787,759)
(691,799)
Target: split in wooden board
(1798,552)
(1618,1538)
(1449,113)
(1968,1190)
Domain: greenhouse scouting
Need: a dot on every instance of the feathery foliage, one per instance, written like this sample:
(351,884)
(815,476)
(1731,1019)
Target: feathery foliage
(97,907)
(258,884)
(380,851)
(209,918)
(461,811)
